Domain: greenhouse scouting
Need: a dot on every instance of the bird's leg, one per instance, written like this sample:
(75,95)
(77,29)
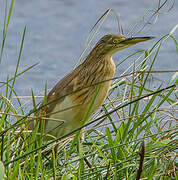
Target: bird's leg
(54,154)
(85,159)
(88,163)
(80,139)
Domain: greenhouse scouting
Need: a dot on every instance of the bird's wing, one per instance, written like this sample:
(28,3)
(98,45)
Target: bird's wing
(63,87)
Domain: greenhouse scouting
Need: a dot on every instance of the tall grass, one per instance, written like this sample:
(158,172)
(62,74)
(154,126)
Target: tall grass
(132,136)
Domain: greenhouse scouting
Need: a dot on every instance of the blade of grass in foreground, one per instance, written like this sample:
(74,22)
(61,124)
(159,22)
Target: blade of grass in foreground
(5,27)
(75,130)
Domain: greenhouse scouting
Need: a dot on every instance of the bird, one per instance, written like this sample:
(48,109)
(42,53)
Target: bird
(70,98)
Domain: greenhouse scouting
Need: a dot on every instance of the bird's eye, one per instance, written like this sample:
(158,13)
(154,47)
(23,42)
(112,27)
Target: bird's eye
(116,41)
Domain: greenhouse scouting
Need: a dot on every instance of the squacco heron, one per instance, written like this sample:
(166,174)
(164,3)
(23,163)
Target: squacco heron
(66,114)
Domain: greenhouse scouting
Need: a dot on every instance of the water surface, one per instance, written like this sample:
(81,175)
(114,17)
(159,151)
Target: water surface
(56,32)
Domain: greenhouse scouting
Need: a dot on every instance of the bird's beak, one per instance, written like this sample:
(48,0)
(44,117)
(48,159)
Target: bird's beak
(134,40)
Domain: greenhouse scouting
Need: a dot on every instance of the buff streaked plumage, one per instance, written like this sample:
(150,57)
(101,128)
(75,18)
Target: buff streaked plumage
(97,67)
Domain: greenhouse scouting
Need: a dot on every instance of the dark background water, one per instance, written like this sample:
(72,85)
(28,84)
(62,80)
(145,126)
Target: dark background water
(56,33)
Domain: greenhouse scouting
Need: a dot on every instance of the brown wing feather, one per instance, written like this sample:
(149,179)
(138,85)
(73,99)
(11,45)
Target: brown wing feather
(60,88)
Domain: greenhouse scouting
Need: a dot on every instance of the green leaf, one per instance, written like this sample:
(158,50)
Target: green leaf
(2,171)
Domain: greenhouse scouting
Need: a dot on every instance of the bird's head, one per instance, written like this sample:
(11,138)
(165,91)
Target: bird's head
(111,43)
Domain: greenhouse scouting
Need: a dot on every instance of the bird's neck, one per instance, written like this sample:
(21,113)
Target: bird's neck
(102,68)
(98,55)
